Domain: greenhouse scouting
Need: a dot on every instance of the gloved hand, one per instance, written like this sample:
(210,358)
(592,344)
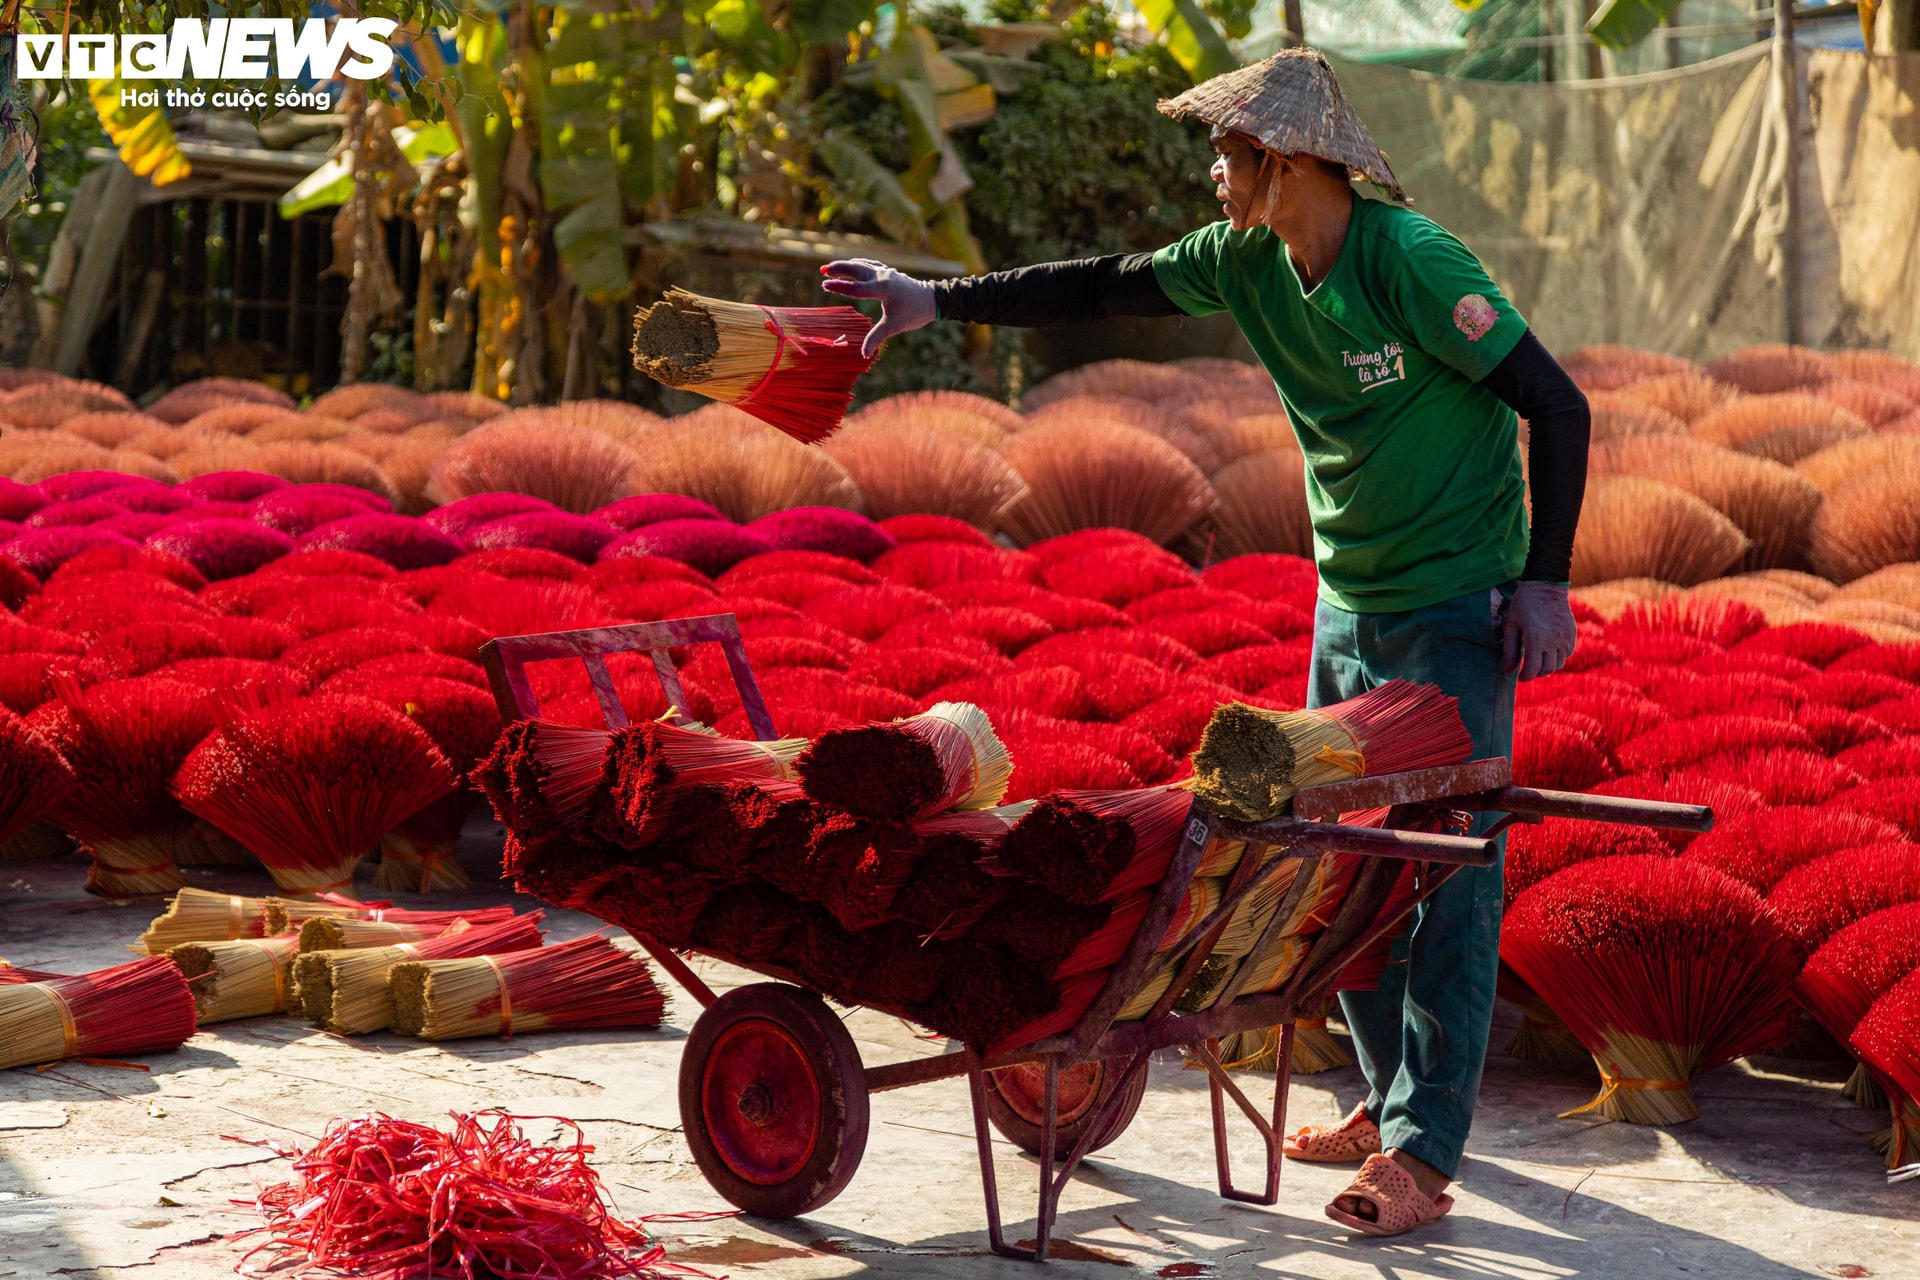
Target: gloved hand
(906,304)
(1540,634)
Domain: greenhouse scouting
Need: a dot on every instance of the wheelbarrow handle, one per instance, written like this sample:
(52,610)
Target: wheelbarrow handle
(1329,837)
(1527,802)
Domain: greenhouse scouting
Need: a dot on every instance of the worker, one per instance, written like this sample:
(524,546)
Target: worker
(1404,371)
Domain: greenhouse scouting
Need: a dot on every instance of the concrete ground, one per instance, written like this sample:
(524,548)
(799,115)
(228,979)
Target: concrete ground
(110,1173)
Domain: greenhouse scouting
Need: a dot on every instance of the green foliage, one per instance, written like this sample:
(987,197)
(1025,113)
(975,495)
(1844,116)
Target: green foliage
(936,356)
(1078,162)
(1618,24)
(1233,17)
(68,126)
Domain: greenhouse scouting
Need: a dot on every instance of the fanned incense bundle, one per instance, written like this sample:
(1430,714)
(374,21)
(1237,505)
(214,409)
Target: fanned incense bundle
(651,764)
(245,978)
(124,739)
(791,367)
(310,785)
(346,991)
(1854,968)
(33,776)
(1251,760)
(541,773)
(947,757)
(1887,1040)
(587,982)
(342,933)
(1090,845)
(1661,967)
(140,1007)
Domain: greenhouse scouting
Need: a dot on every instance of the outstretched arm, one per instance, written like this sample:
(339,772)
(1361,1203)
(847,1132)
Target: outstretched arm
(1049,295)
(1540,632)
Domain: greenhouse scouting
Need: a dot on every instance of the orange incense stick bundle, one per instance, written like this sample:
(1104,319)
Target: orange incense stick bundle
(1252,760)
(650,765)
(141,1007)
(124,739)
(587,982)
(947,757)
(791,367)
(1091,845)
(309,785)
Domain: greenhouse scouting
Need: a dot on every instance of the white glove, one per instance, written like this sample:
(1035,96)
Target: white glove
(906,304)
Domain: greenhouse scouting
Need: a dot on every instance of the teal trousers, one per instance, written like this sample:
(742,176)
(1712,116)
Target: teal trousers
(1421,1039)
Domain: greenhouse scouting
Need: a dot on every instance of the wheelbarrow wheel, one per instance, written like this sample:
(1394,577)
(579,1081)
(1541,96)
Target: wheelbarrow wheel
(773,1100)
(1016,1095)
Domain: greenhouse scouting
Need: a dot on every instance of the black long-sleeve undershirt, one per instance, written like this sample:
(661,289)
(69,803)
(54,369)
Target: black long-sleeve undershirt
(1529,380)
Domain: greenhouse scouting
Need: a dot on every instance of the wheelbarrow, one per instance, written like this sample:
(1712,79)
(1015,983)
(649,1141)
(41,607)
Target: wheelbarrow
(774,1095)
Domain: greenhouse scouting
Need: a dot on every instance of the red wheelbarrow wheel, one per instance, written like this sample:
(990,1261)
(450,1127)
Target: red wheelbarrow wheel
(1015,1104)
(773,1100)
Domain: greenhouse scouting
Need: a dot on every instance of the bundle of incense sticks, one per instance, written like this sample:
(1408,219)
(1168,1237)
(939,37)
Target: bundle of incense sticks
(1087,846)
(587,982)
(139,1007)
(33,776)
(346,991)
(342,933)
(541,774)
(650,765)
(791,367)
(1854,968)
(951,889)
(12,974)
(1251,760)
(947,757)
(283,914)
(311,784)
(195,915)
(244,978)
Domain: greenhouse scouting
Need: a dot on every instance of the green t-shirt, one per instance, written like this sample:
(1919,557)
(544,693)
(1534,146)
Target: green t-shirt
(1414,479)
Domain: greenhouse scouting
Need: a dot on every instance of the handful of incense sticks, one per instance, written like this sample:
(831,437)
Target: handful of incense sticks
(947,757)
(342,933)
(541,773)
(791,367)
(283,914)
(1251,761)
(587,982)
(245,978)
(346,991)
(139,1007)
(310,784)
(650,765)
(194,915)
(12,974)
(1090,845)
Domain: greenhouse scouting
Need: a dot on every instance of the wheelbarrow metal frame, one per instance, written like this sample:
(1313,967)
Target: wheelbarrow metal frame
(1417,803)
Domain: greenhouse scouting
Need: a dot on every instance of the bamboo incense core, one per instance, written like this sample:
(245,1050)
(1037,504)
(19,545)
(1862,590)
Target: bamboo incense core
(679,342)
(246,978)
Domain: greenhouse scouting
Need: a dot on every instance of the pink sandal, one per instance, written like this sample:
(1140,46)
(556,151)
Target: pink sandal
(1354,1138)
(1398,1203)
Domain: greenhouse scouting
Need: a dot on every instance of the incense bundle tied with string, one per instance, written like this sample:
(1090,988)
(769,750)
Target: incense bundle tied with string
(947,757)
(587,982)
(244,978)
(346,991)
(1251,760)
(139,1007)
(792,367)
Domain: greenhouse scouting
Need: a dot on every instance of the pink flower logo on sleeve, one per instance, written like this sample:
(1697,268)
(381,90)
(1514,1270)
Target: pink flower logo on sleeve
(1473,315)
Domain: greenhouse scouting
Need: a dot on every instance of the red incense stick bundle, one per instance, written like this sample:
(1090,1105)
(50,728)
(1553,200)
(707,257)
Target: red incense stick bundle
(540,774)
(991,993)
(1855,967)
(947,757)
(141,1007)
(951,889)
(587,982)
(346,991)
(649,765)
(1887,1040)
(1819,898)
(12,974)
(1251,760)
(791,367)
(310,785)
(1661,967)
(1090,845)
(124,739)
(1762,847)
(749,923)
(34,776)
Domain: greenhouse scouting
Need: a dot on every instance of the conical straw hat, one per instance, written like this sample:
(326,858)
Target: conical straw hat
(1289,103)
